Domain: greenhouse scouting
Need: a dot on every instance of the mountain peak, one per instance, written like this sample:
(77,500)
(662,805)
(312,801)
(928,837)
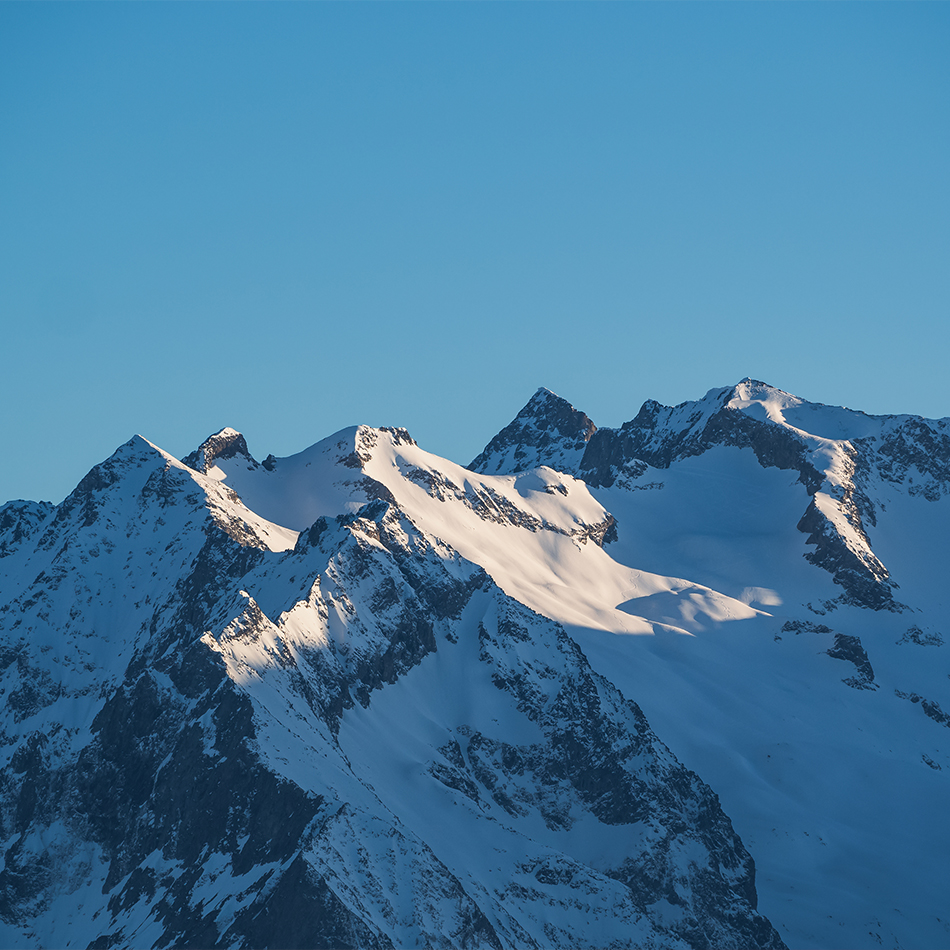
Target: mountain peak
(750,390)
(547,431)
(226,443)
(543,396)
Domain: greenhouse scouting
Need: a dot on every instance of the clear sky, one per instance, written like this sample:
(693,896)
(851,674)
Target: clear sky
(293,218)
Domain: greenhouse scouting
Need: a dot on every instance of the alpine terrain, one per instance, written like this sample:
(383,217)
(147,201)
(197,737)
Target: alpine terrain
(678,684)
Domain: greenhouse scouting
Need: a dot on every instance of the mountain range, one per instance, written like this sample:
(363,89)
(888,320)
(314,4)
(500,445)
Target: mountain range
(678,684)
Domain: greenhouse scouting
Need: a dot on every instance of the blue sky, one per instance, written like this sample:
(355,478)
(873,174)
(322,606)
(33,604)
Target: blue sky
(293,218)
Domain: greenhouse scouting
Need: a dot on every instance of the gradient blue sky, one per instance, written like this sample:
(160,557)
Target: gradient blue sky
(292,218)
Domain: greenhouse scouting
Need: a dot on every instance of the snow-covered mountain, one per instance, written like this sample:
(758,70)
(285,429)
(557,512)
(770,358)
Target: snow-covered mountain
(677,684)
(799,663)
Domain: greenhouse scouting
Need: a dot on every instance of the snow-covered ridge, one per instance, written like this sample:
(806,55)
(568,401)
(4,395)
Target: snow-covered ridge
(826,432)
(347,470)
(840,456)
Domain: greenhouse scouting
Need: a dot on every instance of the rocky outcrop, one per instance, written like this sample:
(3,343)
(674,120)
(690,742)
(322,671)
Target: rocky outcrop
(851,650)
(930,707)
(864,578)
(929,638)
(547,431)
(660,435)
(909,450)
(225,444)
(19,521)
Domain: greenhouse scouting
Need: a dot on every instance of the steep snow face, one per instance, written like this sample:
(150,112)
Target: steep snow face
(721,530)
(540,534)
(482,748)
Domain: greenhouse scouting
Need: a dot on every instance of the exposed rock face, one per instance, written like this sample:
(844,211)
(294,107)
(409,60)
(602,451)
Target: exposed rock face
(548,431)
(360,741)
(19,521)
(930,707)
(226,444)
(660,435)
(845,647)
(928,638)
(863,577)
(909,449)
(851,649)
